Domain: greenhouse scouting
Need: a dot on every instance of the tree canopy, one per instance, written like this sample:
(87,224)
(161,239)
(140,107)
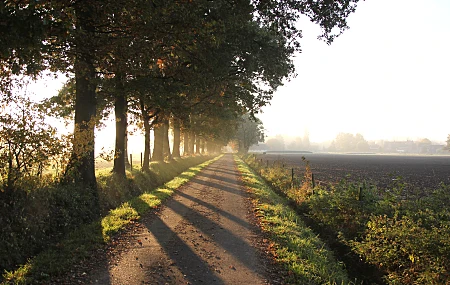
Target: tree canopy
(250,131)
(159,59)
(349,142)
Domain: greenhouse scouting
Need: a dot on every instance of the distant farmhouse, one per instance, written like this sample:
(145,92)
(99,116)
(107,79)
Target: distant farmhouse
(423,146)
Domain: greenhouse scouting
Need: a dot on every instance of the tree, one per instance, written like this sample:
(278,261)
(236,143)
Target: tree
(166,144)
(28,147)
(185,142)
(361,144)
(86,100)
(120,112)
(250,131)
(306,142)
(27,143)
(158,142)
(276,143)
(176,138)
(425,141)
(424,145)
(349,142)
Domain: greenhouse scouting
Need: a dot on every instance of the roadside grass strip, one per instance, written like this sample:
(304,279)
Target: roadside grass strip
(87,239)
(296,248)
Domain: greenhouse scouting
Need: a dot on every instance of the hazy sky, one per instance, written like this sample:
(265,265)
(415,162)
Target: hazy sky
(387,77)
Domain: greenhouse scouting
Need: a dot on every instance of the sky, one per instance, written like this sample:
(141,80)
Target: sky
(387,77)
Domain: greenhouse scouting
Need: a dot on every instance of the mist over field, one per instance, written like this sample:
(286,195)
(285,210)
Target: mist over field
(350,143)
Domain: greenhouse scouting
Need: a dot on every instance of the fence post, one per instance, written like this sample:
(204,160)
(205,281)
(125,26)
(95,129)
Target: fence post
(131,162)
(312,181)
(292,178)
(360,193)
(141,159)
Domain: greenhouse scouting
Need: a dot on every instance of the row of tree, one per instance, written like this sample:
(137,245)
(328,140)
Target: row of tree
(349,142)
(200,65)
(342,143)
(281,143)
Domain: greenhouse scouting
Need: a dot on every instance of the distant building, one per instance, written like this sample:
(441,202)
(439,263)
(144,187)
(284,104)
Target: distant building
(437,148)
(400,146)
(412,147)
(373,147)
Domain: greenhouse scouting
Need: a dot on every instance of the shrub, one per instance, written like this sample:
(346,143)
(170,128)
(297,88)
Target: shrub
(346,208)
(31,220)
(406,249)
(27,144)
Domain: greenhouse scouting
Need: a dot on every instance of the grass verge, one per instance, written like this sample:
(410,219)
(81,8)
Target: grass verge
(81,243)
(296,248)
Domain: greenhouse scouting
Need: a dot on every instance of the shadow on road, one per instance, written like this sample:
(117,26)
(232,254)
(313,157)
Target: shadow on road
(194,268)
(215,209)
(224,238)
(216,177)
(219,187)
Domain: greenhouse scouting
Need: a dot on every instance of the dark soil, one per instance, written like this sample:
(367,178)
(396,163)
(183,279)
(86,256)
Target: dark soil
(421,172)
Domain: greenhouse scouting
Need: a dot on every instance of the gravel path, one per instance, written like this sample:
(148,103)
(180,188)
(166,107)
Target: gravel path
(202,235)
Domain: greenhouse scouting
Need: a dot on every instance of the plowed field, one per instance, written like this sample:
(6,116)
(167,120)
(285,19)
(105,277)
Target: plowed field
(424,172)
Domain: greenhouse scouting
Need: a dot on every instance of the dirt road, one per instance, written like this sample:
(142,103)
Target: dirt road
(200,236)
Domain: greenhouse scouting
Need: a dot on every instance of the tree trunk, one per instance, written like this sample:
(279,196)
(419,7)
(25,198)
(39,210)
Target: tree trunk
(166,144)
(209,148)
(191,142)
(213,147)
(120,109)
(85,105)
(218,148)
(202,146)
(146,160)
(127,163)
(146,120)
(158,153)
(197,144)
(186,143)
(176,138)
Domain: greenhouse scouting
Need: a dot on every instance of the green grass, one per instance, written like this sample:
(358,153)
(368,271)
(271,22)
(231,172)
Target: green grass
(80,243)
(296,248)
(114,190)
